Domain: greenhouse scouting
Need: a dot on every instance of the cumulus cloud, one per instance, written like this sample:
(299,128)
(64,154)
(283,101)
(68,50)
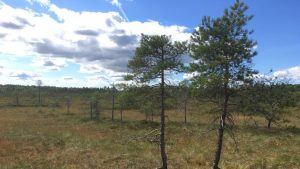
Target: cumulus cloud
(100,42)
(43,3)
(189,76)
(2,35)
(14,22)
(292,74)
(289,75)
(11,25)
(124,40)
(119,6)
(10,75)
(87,32)
(23,75)
(103,38)
(68,78)
(46,64)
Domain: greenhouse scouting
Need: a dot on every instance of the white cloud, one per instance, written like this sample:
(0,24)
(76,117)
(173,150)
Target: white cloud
(77,33)
(43,3)
(101,42)
(188,76)
(119,6)
(17,76)
(25,77)
(46,64)
(292,74)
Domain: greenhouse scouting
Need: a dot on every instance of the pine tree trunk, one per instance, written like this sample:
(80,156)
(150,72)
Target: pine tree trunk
(185,103)
(121,113)
(91,107)
(269,123)
(162,123)
(221,131)
(152,115)
(39,95)
(113,105)
(17,101)
(96,111)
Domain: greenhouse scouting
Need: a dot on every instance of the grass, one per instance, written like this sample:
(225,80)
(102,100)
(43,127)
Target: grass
(48,137)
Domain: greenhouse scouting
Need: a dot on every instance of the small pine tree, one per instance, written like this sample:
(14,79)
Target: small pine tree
(270,98)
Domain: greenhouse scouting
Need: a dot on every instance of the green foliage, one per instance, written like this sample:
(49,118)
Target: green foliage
(27,94)
(223,55)
(223,51)
(181,94)
(269,97)
(127,96)
(95,106)
(155,54)
(148,100)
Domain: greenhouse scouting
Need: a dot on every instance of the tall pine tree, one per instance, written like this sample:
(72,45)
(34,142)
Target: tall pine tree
(223,55)
(156,55)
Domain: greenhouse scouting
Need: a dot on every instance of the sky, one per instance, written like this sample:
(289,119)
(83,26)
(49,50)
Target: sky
(87,43)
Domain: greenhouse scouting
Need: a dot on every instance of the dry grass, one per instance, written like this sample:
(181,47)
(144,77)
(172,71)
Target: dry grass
(47,137)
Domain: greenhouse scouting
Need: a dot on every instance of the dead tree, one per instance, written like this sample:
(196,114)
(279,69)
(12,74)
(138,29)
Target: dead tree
(121,112)
(68,104)
(95,110)
(39,84)
(91,110)
(113,102)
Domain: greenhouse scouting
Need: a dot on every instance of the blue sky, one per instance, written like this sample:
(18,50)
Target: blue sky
(54,40)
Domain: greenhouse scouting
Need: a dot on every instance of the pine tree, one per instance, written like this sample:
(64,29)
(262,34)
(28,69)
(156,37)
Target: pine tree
(223,56)
(269,97)
(156,55)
